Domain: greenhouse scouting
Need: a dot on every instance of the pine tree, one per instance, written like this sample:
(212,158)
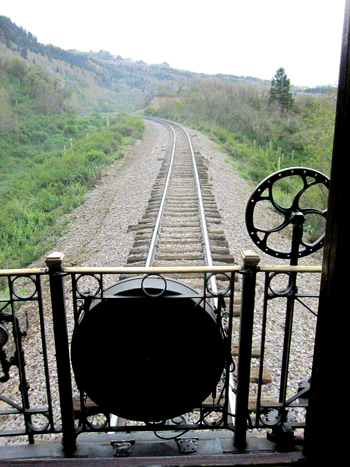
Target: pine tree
(280,90)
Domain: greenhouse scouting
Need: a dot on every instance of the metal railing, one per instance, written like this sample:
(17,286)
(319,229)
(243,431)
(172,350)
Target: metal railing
(41,309)
(283,319)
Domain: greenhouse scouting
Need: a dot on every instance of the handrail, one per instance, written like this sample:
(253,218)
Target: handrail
(159,270)
(187,269)
(151,270)
(23,272)
(297,269)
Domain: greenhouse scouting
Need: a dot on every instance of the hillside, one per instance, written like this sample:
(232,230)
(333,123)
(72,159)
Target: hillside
(99,80)
(50,154)
(91,84)
(105,82)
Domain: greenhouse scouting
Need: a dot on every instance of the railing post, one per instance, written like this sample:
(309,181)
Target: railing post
(250,263)
(54,262)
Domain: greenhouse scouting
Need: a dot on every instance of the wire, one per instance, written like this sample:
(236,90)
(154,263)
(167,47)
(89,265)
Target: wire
(171,437)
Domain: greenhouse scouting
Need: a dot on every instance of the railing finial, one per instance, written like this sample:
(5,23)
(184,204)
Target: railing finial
(250,258)
(54,259)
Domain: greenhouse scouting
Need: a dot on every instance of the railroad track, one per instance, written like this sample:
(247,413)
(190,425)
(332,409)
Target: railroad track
(181,224)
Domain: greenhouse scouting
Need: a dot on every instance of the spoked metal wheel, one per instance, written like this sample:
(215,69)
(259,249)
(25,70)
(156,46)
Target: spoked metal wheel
(306,187)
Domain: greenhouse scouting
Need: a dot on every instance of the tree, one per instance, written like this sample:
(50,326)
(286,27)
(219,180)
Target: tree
(24,53)
(280,90)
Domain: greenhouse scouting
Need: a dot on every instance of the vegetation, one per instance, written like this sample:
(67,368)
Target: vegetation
(280,90)
(94,78)
(260,136)
(29,90)
(99,78)
(48,173)
(49,158)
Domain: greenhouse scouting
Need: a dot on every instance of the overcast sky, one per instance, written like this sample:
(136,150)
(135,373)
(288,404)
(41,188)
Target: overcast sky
(239,37)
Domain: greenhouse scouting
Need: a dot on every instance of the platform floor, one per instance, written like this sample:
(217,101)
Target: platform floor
(146,449)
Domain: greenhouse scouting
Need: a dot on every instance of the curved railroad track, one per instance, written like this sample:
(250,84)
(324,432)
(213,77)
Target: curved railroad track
(181,223)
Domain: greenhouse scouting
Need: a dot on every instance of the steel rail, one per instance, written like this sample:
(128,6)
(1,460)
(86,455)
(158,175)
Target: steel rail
(156,231)
(203,222)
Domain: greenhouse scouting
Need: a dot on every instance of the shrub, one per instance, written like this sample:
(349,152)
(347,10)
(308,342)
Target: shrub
(39,136)
(70,130)
(95,157)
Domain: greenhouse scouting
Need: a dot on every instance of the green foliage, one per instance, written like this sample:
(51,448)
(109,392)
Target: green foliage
(314,137)
(46,171)
(259,138)
(280,91)
(240,118)
(150,112)
(27,90)
(106,107)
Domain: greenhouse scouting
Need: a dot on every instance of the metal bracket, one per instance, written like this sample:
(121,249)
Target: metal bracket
(304,390)
(122,448)
(283,432)
(187,445)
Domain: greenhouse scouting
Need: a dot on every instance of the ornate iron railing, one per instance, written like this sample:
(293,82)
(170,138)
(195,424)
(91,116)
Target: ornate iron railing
(22,312)
(40,398)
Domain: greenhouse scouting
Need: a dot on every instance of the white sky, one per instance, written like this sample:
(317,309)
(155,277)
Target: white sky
(239,37)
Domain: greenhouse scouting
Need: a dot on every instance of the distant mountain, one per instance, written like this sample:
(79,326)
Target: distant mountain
(101,80)
(90,80)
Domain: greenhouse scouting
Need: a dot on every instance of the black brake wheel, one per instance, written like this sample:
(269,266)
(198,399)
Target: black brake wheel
(292,214)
